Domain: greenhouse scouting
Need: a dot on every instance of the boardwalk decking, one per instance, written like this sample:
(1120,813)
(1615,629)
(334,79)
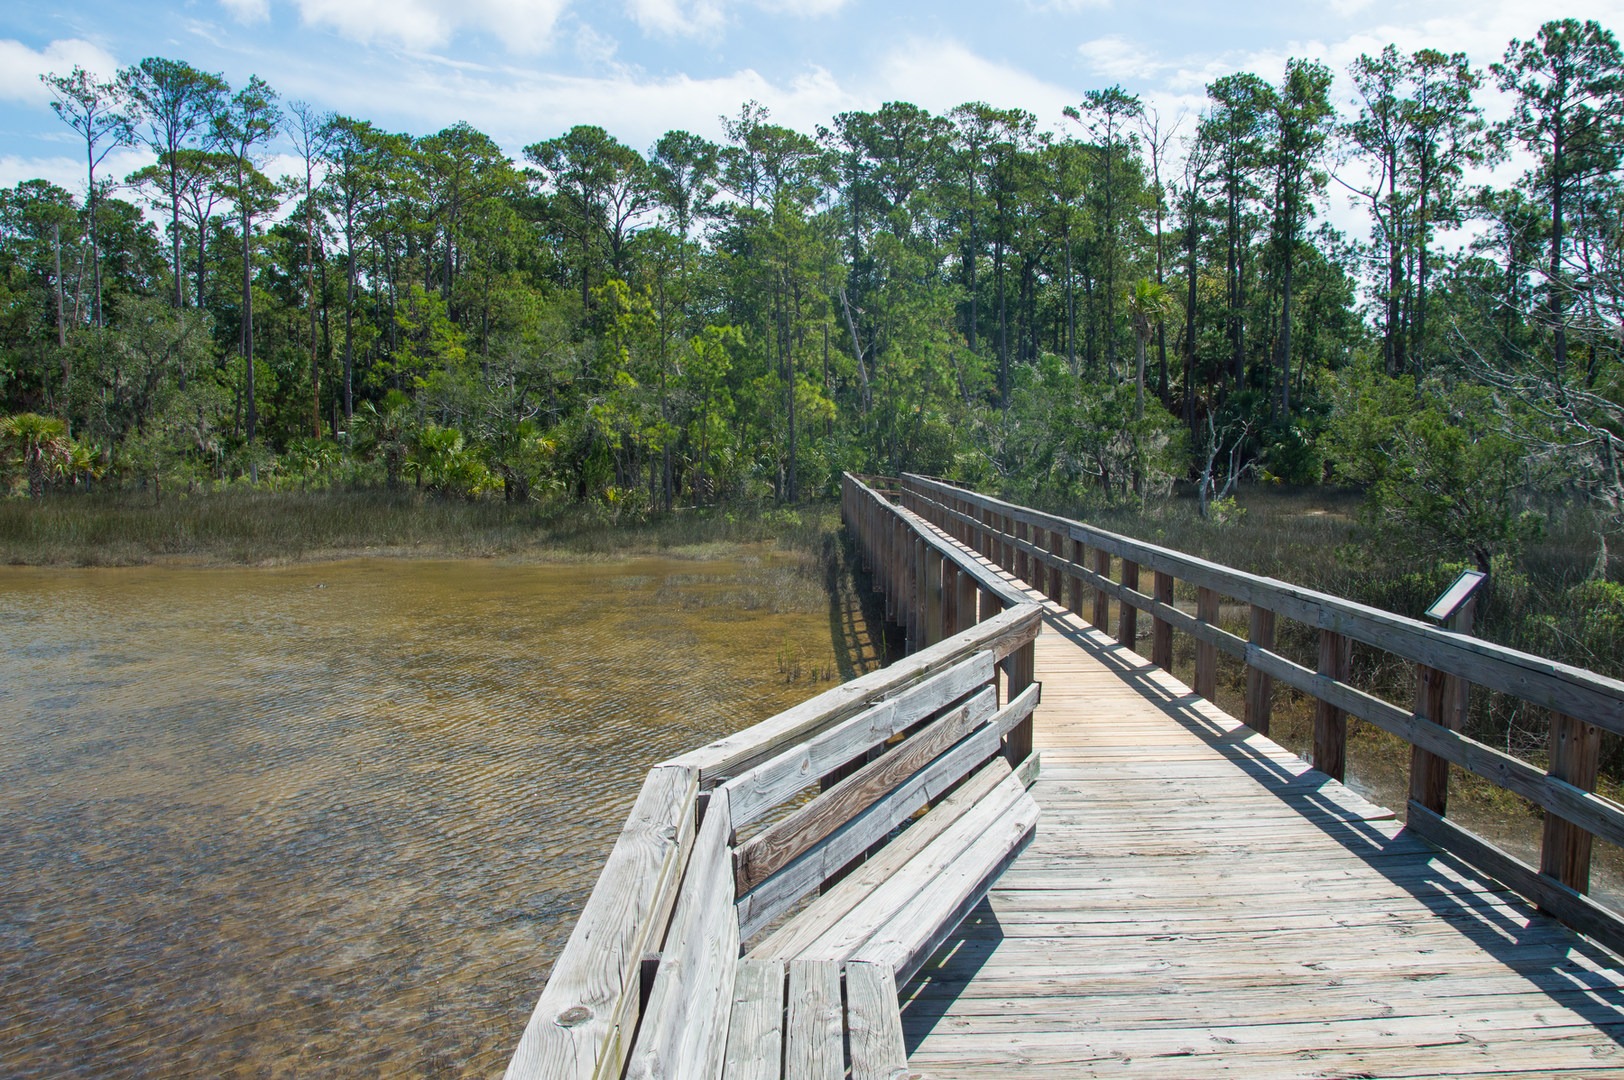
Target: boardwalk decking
(1200,903)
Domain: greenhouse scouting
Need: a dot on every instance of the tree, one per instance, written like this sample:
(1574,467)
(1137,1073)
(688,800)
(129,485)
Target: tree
(1146,302)
(176,104)
(601,192)
(95,109)
(1569,113)
(251,121)
(44,444)
(1302,123)
(1105,115)
(311,132)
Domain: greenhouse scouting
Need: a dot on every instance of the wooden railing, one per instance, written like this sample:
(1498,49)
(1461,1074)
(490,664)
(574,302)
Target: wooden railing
(645,984)
(1085,568)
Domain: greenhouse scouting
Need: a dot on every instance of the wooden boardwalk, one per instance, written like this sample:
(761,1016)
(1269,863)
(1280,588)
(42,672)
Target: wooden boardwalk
(1199,902)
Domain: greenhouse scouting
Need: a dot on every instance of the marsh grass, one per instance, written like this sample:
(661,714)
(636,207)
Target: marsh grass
(259,527)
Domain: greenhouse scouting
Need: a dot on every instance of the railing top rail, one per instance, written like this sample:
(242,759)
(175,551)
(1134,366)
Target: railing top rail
(1595,698)
(966,562)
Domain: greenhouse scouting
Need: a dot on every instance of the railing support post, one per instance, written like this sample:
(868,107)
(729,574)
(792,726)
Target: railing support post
(1161,631)
(1259,686)
(1330,722)
(1206,653)
(1079,555)
(1429,774)
(1576,758)
(1019,673)
(934,614)
(1127,614)
(1102,599)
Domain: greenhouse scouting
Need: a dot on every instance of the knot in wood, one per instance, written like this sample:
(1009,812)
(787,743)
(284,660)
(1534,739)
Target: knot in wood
(577,1014)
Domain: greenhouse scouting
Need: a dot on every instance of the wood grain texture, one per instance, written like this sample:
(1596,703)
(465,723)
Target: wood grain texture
(757,790)
(814,1027)
(684,1029)
(755,1030)
(763,854)
(874,1024)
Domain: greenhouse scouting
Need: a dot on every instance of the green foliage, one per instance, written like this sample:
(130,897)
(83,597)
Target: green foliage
(1440,477)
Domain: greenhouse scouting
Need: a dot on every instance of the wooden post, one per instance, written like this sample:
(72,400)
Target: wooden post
(1442,699)
(1429,774)
(932,567)
(1079,555)
(1161,631)
(1330,722)
(1006,560)
(1206,653)
(1576,758)
(990,604)
(950,599)
(1019,673)
(917,594)
(1023,562)
(1057,581)
(888,537)
(1127,614)
(1102,599)
(966,605)
(1259,686)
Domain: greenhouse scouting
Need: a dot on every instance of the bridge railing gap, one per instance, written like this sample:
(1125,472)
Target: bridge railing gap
(1049,551)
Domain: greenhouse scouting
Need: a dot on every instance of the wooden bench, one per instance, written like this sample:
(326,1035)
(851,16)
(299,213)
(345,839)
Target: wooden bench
(837,846)
(896,883)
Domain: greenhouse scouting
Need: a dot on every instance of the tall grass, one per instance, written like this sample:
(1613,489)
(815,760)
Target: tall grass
(242,526)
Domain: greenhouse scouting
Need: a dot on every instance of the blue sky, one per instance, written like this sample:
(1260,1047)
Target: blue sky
(525,70)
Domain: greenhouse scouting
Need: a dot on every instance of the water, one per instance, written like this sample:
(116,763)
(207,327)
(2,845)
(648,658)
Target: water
(337,819)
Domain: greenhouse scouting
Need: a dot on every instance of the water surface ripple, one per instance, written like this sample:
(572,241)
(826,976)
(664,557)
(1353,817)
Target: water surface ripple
(337,819)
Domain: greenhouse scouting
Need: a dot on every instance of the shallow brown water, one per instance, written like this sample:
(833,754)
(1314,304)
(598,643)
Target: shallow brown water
(337,819)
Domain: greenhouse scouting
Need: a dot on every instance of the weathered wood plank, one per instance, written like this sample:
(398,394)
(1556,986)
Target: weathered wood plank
(1575,752)
(1000,635)
(757,790)
(842,938)
(795,936)
(941,903)
(586,1013)
(755,1031)
(763,854)
(763,904)
(874,1024)
(813,1043)
(684,1029)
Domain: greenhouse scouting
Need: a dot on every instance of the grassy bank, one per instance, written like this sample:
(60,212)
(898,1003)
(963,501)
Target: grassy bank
(253,527)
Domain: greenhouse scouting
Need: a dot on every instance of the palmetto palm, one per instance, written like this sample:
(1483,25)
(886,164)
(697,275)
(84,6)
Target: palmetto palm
(45,445)
(1147,303)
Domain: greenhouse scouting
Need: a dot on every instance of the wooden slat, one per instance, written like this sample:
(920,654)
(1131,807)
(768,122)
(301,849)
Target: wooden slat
(842,938)
(757,790)
(939,904)
(1573,908)
(1259,686)
(1161,631)
(763,904)
(796,935)
(755,1031)
(874,1024)
(684,1029)
(813,1043)
(585,1016)
(1330,722)
(1000,635)
(764,853)
(1206,656)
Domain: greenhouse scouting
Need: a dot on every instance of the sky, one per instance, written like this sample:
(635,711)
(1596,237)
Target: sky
(527,70)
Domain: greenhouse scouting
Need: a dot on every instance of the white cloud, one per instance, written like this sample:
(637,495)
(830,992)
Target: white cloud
(248,11)
(68,171)
(707,18)
(1115,57)
(523,26)
(21,67)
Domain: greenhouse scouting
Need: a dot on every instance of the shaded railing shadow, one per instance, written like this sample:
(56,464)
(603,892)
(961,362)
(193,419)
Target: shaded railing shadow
(929,995)
(1555,960)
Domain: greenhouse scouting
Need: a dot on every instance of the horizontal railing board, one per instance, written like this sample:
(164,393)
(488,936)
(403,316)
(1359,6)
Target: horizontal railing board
(1594,698)
(772,897)
(757,790)
(684,1028)
(1575,909)
(759,857)
(1000,635)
